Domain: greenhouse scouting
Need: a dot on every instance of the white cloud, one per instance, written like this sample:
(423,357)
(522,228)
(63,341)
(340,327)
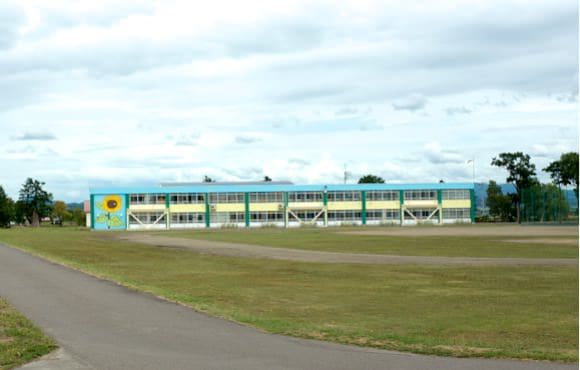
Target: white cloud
(149,91)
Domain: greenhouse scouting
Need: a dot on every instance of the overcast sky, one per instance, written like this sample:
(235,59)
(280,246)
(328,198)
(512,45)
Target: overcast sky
(97,93)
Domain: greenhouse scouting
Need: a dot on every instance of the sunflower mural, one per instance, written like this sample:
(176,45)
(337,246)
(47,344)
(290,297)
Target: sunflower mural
(110,212)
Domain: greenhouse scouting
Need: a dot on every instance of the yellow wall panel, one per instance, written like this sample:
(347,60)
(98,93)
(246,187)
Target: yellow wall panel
(231,207)
(456,203)
(147,207)
(385,204)
(420,203)
(344,206)
(305,205)
(262,207)
(184,208)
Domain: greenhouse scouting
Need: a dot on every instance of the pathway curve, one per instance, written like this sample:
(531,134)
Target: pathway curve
(288,254)
(105,326)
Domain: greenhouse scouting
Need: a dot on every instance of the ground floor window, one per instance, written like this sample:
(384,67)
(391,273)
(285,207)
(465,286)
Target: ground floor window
(227,217)
(455,213)
(188,218)
(347,215)
(383,214)
(266,216)
(420,213)
(305,216)
(147,218)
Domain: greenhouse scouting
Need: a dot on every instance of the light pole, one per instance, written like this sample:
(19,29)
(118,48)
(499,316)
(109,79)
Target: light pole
(472,161)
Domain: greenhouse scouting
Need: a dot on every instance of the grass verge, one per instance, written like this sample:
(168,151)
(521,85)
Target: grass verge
(20,340)
(524,312)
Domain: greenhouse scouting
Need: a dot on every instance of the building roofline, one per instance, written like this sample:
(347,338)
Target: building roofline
(205,188)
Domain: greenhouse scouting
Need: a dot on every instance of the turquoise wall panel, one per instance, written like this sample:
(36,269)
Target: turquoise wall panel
(110,212)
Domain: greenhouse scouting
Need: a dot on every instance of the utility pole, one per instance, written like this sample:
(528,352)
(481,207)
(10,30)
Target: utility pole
(345,174)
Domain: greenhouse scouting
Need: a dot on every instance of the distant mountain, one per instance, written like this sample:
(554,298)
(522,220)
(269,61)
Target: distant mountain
(75,205)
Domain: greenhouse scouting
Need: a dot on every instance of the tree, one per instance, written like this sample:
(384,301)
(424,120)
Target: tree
(206,178)
(371,179)
(500,205)
(78,216)
(565,171)
(521,173)
(267,179)
(60,212)
(6,209)
(35,201)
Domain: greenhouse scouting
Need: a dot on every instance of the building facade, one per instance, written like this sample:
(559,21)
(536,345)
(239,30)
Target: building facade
(284,205)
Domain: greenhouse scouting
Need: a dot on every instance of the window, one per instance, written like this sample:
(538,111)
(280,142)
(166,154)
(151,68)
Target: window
(456,213)
(266,216)
(347,215)
(382,195)
(455,194)
(187,198)
(305,196)
(421,213)
(147,198)
(343,196)
(383,214)
(270,197)
(188,218)
(227,217)
(147,218)
(306,216)
(420,195)
(217,198)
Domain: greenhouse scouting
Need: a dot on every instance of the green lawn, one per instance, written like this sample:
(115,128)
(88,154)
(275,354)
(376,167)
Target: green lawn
(526,312)
(334,241)
(20,340)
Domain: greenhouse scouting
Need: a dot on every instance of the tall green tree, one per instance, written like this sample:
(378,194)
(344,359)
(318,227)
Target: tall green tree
(500,205)
(521,173)
(35,201)
(371,179)
(565,170)
(6,209)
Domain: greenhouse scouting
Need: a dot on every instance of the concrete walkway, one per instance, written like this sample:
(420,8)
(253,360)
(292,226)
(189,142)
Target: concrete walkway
(101,325)
(288,254)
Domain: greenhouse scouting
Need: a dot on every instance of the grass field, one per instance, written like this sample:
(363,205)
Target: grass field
(527,312)
(20,340)
(331,240)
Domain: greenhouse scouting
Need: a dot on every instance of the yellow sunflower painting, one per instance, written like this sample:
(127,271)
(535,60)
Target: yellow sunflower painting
(112,203)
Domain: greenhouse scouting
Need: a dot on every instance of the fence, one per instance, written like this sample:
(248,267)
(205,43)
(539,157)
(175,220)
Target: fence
(547,203)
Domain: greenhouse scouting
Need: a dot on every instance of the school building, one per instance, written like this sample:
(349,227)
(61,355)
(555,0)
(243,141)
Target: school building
(199,205)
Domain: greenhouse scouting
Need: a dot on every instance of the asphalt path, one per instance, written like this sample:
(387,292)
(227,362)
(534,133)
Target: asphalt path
(102,325)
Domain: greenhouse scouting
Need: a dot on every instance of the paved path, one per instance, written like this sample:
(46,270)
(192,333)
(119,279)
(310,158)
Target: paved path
(104,326)
(288,254)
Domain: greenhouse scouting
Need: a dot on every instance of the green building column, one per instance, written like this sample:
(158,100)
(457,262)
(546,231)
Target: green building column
(325,205)
(363,195)
(472,196)
(247,209)
(207,220)
(401,205)
(285,195)
(440,205)
(92,205)
(167,213)
(127,216)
